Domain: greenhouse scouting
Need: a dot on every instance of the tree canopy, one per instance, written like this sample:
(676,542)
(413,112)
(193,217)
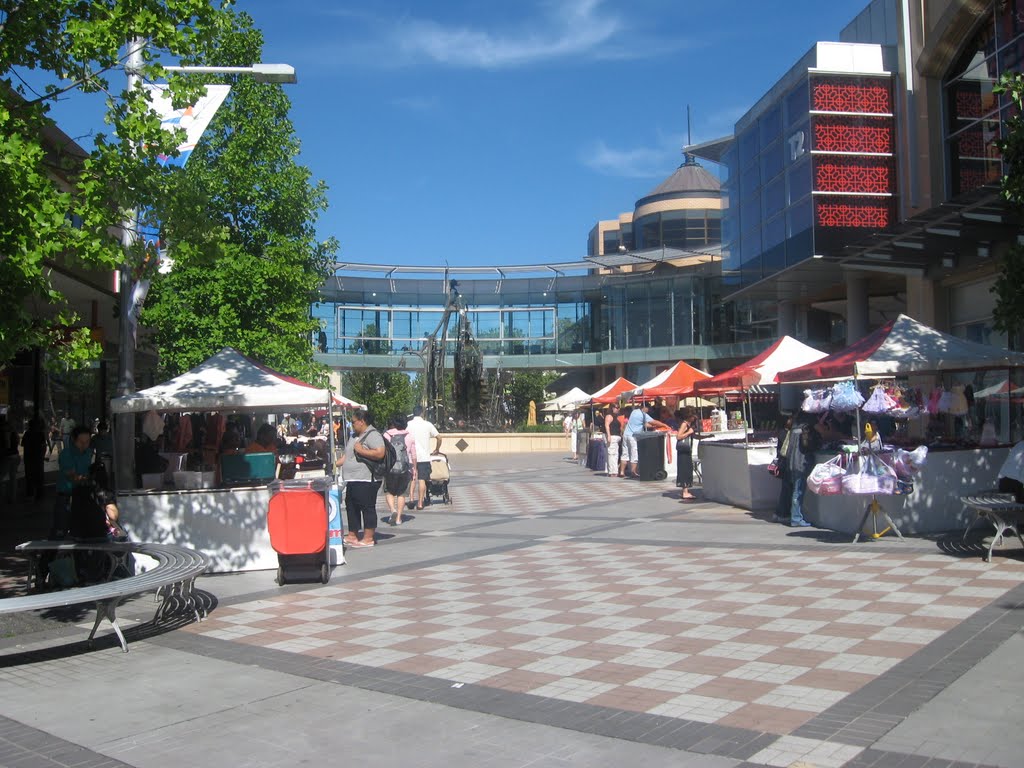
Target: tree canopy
(1008,313)
(58,207)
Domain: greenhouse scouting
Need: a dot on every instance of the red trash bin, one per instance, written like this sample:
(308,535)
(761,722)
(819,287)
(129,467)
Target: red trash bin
(297,524)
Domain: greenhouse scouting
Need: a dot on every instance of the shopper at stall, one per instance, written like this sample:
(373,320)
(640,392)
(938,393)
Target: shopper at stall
(782,506)
(265,442)
(1011,474)
(638,421)
(685,435)
(613,439)
(805,439)
(396,483)
(361,455)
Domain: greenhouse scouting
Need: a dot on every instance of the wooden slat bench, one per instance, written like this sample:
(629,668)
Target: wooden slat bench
(1001,509)
(172,579)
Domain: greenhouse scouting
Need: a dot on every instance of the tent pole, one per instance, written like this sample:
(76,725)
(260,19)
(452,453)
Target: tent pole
(331,447)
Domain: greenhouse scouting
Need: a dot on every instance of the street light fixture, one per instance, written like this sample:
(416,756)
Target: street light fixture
(280,74)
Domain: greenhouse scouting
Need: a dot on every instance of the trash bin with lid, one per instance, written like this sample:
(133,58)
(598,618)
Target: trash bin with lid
(297,524)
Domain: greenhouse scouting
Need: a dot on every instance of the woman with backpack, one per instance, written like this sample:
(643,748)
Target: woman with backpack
(403,471)
(364,455)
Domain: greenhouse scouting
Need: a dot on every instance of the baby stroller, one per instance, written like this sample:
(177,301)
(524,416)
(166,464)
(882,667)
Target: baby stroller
(440,474)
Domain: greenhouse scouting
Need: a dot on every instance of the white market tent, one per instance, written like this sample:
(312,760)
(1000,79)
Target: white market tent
(786,353)
(568,401)
(228,381)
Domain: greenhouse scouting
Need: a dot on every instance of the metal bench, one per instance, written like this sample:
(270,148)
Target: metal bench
(173,580)
(1001,509)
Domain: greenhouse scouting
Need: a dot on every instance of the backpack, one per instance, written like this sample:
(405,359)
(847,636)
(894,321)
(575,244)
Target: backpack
(380,467)
(401,464)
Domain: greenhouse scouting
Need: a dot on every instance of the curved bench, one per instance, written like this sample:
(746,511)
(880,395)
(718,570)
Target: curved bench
(172,579)
(1001,509)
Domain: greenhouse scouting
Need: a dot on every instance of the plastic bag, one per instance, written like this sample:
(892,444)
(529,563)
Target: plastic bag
(826,479)
(872,476)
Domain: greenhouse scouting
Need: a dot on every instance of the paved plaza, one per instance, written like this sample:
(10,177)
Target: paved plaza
(547,617)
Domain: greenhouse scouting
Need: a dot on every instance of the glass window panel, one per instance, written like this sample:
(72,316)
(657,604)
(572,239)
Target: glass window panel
(798,143)
(486,324)
(648,231)
(750,211)
(749,182)
(800,180)
(675,228)
(775,197)
(971,97)
(611,241)
(797,104)
(770,125)
(772,161)
(749,147)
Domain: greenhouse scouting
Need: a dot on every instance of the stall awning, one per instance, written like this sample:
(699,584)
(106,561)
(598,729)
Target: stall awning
(226,381)
(613,391)
(784,354)
(676,380)
(905,346)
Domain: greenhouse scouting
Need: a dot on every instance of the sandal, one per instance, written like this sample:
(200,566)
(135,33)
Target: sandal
(360,543)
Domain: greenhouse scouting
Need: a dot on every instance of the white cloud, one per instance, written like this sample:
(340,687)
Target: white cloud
(634,163)
(562,29)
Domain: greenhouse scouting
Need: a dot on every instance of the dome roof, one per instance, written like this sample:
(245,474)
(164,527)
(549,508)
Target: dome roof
(689,180)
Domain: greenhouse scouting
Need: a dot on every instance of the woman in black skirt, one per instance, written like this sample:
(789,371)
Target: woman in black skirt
(684,453)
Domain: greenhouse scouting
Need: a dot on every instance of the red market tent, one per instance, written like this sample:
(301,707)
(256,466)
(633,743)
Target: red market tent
(784,354)
(904,346)
(676,380)
(611,393)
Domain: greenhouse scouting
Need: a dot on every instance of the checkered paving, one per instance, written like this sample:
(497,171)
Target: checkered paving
(761,639)
(544,498)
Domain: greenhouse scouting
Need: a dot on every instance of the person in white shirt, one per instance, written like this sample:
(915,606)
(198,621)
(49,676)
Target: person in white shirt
(422,432)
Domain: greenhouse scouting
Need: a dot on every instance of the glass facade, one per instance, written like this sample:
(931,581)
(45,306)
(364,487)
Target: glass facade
(975,114)
(687,229)
(527,316)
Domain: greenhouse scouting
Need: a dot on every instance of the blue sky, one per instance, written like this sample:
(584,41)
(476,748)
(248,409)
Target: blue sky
(500,132)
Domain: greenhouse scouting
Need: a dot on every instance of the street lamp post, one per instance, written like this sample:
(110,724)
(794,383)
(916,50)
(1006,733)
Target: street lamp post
(282,74)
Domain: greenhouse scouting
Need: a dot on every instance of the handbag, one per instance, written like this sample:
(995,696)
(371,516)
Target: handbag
(826,479)
(775,468)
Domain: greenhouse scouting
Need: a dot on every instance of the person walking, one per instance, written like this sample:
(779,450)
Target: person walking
(423,432)
(67,424)
(637,422)
(361,488)
(396,485)
(33,446)
(613,439)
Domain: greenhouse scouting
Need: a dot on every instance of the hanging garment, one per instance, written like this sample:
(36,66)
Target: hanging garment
(153,425)
(958,401)
(880,402)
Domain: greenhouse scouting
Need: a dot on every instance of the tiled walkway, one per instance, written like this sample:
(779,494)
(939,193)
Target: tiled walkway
(548,594)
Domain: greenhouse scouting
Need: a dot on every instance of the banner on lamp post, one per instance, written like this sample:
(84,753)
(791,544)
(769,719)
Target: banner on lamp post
(194,120)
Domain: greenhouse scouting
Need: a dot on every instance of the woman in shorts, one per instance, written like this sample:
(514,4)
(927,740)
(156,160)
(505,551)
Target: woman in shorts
(396,487)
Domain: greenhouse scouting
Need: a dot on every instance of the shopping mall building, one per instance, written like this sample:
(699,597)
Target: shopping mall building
(863,184)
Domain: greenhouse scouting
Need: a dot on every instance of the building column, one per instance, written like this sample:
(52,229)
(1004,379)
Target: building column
(921,300)
(856,307)
(786,322)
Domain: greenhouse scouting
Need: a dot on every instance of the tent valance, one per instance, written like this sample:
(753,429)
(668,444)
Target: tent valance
(224,382)
(904,346)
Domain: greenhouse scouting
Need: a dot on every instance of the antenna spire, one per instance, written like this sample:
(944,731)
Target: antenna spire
(688,159)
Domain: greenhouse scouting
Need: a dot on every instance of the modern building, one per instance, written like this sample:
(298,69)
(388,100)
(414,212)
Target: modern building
(865,182)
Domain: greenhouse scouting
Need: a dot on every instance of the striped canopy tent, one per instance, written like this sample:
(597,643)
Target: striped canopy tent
(678,379)
(611,394)
(762,369)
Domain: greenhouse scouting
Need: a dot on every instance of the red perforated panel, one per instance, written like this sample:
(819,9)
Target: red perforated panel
(861,214)
(841,94)
(851,134)
(852,174)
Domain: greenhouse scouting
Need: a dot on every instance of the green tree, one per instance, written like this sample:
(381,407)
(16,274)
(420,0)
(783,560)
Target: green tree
(1008,313)
(385,393)
(77,45)
(528,385)
(240,221)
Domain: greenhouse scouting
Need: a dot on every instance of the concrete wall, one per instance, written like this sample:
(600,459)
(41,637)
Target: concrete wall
(502,442)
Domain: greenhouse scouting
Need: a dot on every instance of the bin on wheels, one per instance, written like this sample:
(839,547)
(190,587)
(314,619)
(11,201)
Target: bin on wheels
(650,450)
(297,523)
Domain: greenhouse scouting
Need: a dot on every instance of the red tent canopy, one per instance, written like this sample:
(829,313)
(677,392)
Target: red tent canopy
(676,380)
(611,393)
(784,354)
